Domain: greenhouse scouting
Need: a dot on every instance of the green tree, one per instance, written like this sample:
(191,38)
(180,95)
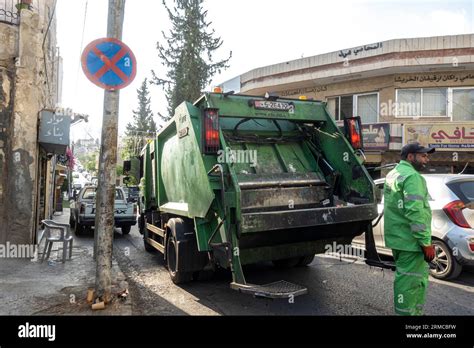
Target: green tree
(119,170)
(143,126)
(188,54)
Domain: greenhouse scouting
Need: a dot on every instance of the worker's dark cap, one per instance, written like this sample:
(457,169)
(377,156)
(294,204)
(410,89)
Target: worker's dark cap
(415,148)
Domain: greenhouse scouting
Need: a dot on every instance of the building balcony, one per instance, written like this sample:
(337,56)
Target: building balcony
(10,11)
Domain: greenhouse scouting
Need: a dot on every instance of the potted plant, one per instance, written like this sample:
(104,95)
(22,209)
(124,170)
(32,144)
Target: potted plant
(24,4)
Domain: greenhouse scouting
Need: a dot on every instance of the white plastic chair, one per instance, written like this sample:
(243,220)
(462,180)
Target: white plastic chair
(64,237)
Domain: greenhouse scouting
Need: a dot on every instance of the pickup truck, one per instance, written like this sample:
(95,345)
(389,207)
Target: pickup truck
(82,216)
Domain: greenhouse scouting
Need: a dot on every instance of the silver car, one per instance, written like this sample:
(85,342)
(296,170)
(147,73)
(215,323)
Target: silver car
(452,204)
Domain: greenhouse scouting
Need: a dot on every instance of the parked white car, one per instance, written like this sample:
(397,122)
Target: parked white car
(452,205)
(82,215)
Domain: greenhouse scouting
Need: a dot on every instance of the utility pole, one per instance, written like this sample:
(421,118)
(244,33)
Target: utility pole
(104,220)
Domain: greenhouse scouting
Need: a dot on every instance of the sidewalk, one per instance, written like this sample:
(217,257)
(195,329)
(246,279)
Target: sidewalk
(29,287)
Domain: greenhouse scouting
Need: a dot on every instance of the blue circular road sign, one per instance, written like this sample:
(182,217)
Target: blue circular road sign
(109,63)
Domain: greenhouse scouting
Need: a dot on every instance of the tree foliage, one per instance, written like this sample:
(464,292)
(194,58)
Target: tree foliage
(143,126)
(188,54)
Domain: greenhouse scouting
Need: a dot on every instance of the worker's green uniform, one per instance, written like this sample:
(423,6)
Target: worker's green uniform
(407,226)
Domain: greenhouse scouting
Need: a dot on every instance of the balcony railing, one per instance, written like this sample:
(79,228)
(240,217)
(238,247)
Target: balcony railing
(9,12)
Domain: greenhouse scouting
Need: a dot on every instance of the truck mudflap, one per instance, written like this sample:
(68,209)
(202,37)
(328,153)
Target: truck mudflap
(276,220)
(279,289)
(372,257)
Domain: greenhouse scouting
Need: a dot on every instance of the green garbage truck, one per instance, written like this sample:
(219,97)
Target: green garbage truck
(235,179)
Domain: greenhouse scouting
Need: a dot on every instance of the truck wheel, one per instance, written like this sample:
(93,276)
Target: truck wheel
(286,263)
(141,224)
(126,229)
(447,267)
(305,260)
(176,229)
(79,229)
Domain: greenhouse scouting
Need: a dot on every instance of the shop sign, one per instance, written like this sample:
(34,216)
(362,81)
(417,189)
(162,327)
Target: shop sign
(376,136)
(54,131)
(442,136)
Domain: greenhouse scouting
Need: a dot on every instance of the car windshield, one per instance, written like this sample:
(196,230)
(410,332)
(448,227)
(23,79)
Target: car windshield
(89,193)
(133,190)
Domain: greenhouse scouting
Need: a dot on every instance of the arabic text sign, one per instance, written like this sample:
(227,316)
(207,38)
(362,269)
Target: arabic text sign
(109,63)
(442,136)
(434,78)
(54,131)
(376,136)
(344,53)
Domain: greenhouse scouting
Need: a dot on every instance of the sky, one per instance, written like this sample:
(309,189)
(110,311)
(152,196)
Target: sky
(258,32)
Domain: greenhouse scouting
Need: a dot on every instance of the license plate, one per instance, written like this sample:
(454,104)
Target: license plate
(274,105)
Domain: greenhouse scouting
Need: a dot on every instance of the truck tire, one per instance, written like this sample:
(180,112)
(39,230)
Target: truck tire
(79,229)
(126,229)
(305,260)
(141,224)
(176,230)
(286,263)
(448,267)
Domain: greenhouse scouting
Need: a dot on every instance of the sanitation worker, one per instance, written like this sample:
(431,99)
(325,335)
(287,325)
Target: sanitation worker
(407,228)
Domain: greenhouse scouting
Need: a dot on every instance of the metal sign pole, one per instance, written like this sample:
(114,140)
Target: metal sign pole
(104,220)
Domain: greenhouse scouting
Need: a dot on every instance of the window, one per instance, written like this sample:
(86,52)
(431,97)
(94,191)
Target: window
(379,190)
(367,108)
(333,108)
(89,193)
(363,105)
(347,107)
(119,195)
(434,102)
(427,102)
(463,104)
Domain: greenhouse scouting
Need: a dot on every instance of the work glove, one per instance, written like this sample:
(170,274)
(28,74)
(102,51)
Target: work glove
(429,252)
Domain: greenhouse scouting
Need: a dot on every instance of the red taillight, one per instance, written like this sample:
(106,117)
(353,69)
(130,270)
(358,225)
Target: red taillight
(454,212)
(353,127)
(471,246)
(355,137)
(211,131)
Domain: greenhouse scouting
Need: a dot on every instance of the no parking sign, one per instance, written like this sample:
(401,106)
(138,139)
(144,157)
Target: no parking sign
(109,63)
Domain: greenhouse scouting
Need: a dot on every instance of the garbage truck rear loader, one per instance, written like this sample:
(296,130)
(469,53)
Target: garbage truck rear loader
(234,180)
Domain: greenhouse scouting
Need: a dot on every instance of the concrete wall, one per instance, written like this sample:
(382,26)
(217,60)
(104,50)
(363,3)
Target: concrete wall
(8,49)
(34,89)
(391,54)
(386,86)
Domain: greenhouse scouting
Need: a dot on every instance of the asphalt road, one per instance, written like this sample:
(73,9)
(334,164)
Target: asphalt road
(335,287)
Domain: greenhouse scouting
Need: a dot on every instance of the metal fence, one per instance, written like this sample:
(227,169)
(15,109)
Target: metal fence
(9,12)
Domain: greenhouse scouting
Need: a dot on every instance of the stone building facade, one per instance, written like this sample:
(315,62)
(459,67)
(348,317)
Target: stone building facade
(28,84)
(404,90)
